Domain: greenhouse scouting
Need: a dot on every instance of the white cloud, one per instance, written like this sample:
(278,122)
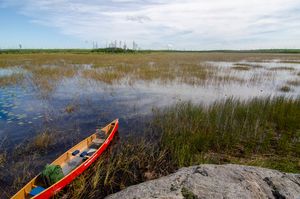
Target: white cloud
(187,24)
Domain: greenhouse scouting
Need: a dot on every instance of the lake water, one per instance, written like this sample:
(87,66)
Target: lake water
(23,113)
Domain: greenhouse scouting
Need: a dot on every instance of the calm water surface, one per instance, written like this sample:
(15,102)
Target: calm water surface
(24,113)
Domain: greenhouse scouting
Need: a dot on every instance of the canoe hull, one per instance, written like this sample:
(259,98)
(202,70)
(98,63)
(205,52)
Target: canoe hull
(110,129)
(79,170)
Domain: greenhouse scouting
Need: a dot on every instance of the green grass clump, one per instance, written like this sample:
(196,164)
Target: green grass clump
(234,130)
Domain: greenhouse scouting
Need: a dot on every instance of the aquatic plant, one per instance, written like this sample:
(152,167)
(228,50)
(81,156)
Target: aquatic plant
(282,68)
(285,88)
(2,158)
(295,82)
(70,108)
(43,140)
(241,67)
(249,65)
(234,128)
(11,80)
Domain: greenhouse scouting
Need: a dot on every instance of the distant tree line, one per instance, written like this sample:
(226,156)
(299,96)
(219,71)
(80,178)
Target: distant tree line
(113,48)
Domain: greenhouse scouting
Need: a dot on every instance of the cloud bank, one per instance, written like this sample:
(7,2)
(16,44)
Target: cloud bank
(183,24)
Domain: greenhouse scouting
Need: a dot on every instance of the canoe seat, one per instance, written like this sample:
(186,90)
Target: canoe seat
(35,191)
(75,152)
(98,141)
(84,153)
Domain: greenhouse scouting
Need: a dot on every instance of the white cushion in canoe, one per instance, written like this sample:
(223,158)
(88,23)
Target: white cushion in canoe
(98,141)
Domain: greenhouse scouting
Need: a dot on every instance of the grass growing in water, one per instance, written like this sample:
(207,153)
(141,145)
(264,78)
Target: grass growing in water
(241,67)
(43,140)
(124,165)
(282,68)
(260,132)
(2,158)
(11,80)
(285,89)
(234,130)
(295,82)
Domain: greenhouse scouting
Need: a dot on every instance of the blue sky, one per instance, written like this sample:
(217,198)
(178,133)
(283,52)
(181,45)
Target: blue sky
(153,24)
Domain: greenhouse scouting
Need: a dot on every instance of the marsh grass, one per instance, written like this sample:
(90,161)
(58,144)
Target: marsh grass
(46,78)
(164,72)
(248,65)
(49,69)
(70,108)
(240,67)
(239,129)
(282,68)
(43,140)
(295,82)
(11,80)
(285,89)
(258,132)
(123,165)
(2,158)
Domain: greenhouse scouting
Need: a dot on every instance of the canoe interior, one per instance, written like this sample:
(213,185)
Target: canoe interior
(69,162)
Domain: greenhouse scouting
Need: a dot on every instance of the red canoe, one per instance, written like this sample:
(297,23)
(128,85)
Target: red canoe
(73,162)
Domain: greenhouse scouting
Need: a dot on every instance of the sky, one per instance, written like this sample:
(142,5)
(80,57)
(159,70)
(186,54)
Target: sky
(152,24)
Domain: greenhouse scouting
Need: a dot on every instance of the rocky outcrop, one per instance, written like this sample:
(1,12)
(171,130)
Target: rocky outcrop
(217,181)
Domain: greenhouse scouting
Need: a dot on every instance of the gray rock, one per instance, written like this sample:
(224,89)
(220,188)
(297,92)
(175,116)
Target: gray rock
(217,181)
